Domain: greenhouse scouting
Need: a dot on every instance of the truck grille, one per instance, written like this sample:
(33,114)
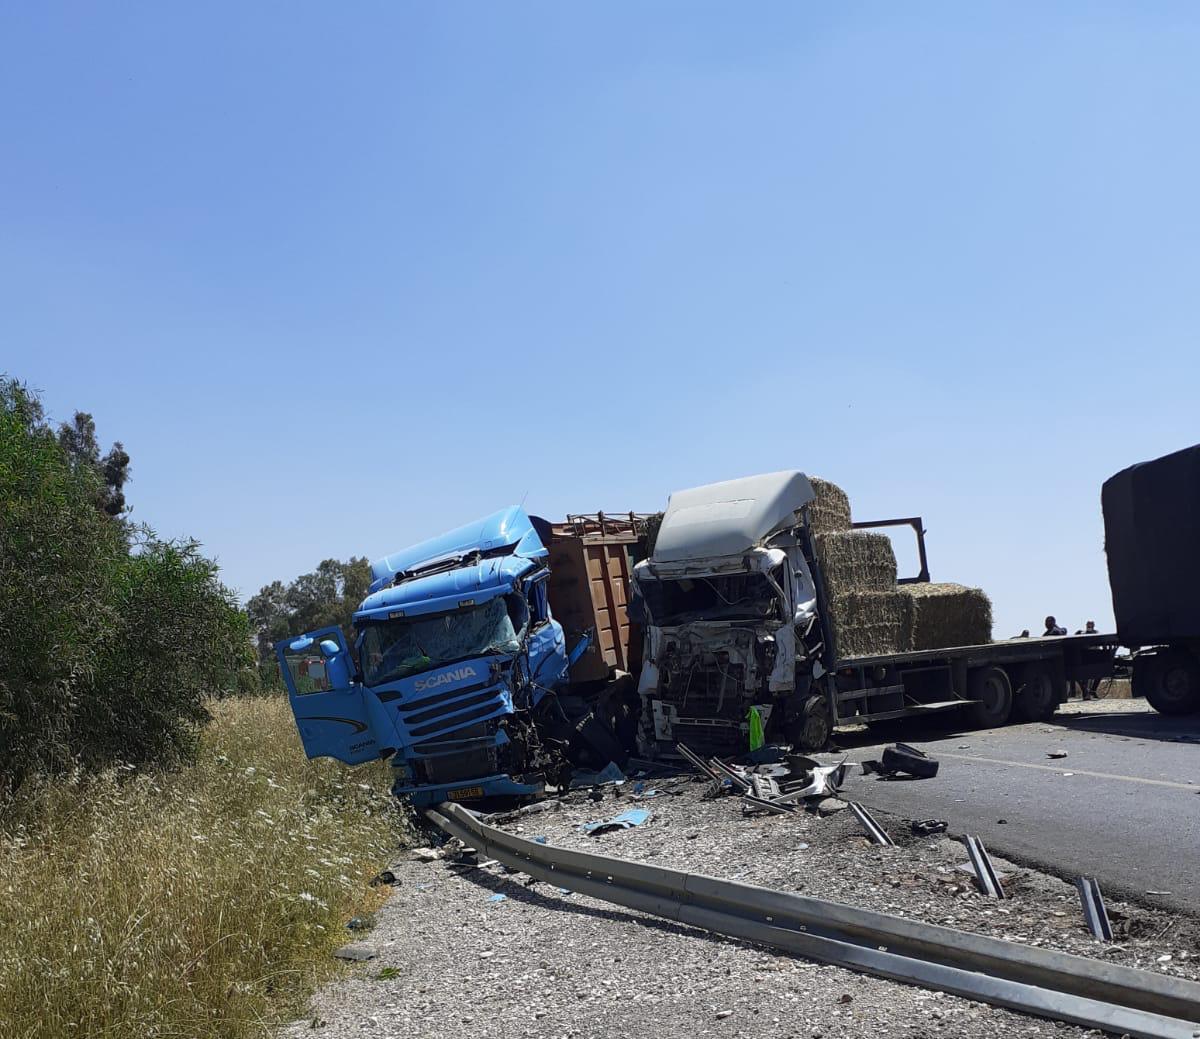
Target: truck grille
(450,713)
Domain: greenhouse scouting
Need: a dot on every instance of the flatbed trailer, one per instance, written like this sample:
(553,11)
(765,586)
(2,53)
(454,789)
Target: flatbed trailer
(1021,679)
(1015,679)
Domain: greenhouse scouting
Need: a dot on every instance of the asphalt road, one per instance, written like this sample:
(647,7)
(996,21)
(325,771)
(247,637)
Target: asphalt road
(1122,806)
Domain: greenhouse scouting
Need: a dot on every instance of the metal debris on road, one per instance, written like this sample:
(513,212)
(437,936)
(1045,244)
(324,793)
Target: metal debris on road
(876,832)
(902,759)
(1093,908)
(985,873)
(927,827)
(624,821)
(1057,754)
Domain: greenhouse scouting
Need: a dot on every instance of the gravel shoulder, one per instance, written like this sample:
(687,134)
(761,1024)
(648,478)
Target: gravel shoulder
(452,959)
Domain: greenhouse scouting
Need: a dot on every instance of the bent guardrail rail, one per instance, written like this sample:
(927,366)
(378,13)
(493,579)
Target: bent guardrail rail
(1037,981)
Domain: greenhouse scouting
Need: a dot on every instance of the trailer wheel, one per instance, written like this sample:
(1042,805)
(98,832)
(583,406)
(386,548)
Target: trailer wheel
(1170,681)
(811,731)
(1034,700)
(990,688)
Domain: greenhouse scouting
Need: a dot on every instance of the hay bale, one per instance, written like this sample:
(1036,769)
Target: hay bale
(831,508)
(868,624)
(856,561)
(937,616)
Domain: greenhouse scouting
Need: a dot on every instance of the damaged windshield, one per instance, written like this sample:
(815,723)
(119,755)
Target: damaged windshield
(727,597)
(407,646)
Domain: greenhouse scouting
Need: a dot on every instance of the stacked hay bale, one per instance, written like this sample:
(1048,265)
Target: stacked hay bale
(859,568)
(937,615)
(831,509)
(872,616)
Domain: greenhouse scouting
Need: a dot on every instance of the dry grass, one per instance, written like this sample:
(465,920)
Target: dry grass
(201,903)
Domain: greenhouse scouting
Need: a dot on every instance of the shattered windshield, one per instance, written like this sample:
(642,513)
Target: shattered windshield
(406,646)
(727,597)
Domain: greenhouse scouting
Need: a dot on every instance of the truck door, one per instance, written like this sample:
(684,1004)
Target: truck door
(330,709)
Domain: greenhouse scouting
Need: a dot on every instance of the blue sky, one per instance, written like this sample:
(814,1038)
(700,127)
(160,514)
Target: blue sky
(343,276)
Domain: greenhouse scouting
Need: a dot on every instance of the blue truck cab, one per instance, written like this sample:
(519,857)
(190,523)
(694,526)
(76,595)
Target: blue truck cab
(459,665)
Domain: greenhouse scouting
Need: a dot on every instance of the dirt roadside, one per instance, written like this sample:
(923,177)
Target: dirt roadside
(452,958)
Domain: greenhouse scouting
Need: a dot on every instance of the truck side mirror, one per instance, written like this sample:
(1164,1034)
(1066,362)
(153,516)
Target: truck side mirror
(329,649)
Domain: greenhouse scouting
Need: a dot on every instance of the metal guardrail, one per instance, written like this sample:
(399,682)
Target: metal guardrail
(869,823)
(1094,911)
(1087,992)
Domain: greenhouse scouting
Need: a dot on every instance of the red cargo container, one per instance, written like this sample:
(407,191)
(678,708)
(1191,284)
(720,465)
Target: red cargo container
(591,559)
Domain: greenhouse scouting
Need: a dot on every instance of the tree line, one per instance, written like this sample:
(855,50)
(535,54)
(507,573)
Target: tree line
(324,598)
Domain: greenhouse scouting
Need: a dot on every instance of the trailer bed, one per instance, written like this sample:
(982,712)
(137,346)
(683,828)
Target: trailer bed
(898,685)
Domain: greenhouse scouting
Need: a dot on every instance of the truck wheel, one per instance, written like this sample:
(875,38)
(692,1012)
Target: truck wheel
(1170,681)
(990,688)
(1035,698)
(811,731)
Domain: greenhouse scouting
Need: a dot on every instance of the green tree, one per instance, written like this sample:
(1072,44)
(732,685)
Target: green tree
(326,597)
(78,440)
(111,640)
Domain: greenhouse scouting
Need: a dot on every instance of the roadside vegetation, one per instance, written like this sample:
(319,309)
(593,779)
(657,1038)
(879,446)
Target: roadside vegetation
(170,863)
(204,902)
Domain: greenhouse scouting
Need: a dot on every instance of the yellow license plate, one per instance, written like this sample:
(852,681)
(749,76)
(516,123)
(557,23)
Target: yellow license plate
(465,793)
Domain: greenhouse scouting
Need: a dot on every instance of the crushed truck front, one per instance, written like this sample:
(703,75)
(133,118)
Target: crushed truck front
(459,663)
(730,608)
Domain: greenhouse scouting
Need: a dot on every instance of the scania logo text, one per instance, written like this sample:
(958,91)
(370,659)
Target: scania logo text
(444,678)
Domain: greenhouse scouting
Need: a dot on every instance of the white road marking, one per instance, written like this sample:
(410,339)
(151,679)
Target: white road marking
(1075,771)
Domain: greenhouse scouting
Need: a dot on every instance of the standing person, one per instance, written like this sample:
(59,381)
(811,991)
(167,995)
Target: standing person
(1053,627)
(1092,685)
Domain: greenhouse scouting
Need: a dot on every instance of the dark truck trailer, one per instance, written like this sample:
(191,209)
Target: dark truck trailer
(737,617)
(1152,540)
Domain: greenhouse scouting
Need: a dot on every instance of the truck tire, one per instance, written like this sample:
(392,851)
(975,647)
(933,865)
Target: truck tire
(1170,681)
(1036,698)
(992,691)
(811,731)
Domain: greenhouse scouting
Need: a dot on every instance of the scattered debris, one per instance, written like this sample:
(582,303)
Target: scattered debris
(876,832)
(427,854)
(902,760)
(1057,754)
(1093,908)
(386,877)
(625,821)
(928,827)
(985,873)
(611,773)
(752,804)
(722,1014)
(498,898)
(357,952)
(360,923)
